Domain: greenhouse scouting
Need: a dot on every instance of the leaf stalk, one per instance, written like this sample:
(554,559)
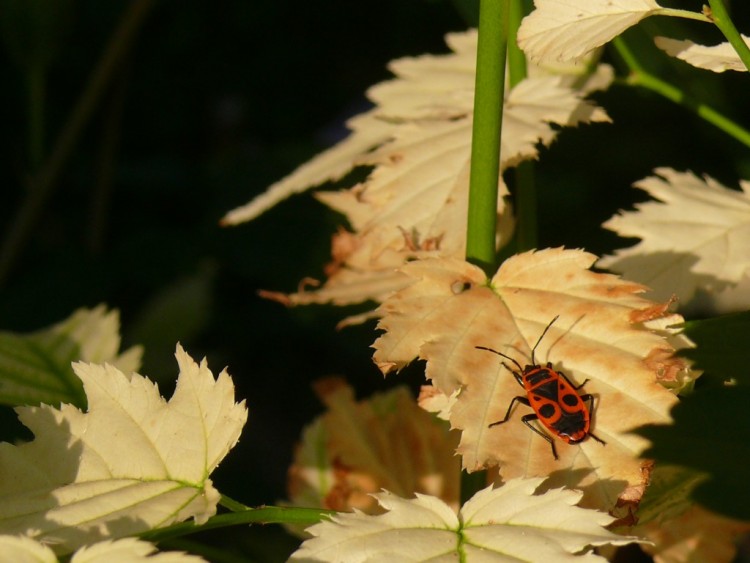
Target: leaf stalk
(720,17)
(639,76)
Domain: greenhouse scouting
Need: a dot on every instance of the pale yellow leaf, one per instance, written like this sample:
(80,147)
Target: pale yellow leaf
(330,165)
(97,332)
(695,237)
(130,550)
(451,307)
(509,523)
(131,463)
(565,30)
(358,448)
(20,549)
(415,200)
(414,203)
(717,58)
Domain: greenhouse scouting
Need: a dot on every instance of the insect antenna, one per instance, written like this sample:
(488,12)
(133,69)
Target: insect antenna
(533,361)
(520,369)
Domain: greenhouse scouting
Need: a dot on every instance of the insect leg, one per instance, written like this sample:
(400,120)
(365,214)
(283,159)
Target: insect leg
(522,400)
(590,398)
(565,377)
(527,421)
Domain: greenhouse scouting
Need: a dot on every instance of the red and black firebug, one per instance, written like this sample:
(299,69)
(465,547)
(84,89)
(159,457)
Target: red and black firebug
(554,399)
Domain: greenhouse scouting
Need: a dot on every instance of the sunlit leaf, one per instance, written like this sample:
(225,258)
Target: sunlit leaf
(129,550)
(563,30)
(21,549)
(414,202)
(599,338)
(717,58)
(330,165)
(132,462)
(505,524)
(695,237)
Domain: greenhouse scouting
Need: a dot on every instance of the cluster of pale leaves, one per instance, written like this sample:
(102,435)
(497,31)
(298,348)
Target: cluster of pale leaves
(413,204)
(417,139)
(567,30)
(694,241)
(134,462)
(405,250)
(130,463)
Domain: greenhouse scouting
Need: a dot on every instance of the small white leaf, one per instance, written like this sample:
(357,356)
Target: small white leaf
(565,30)
(505,524)
(717,58)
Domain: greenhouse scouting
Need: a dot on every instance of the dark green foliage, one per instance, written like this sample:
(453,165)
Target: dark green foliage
(710,435)
(723,347)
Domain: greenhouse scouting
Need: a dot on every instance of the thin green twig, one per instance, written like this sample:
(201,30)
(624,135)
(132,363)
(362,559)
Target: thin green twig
(685,14)
(263,515)
(639,76)
(720,17)
(485,142)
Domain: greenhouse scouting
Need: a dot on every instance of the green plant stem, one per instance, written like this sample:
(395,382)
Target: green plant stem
(263,515)
(44,182)
(641,77)
(721,18)
(233,505)
(485,141)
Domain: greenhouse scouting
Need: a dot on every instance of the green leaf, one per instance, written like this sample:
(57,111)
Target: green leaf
(711,435)
(723,346)
(36,368)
